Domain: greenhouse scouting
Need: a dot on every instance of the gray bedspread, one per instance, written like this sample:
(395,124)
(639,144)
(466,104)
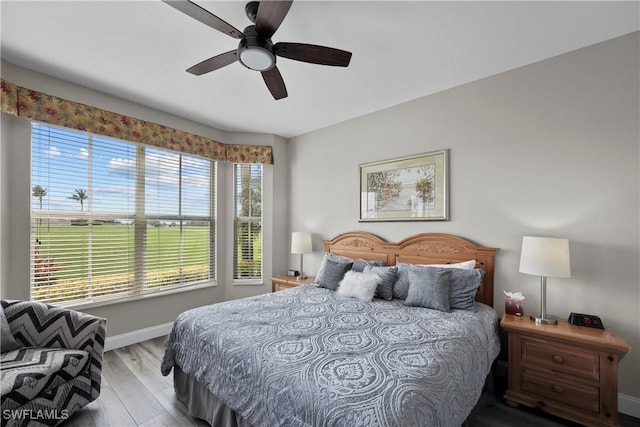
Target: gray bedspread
(309,357)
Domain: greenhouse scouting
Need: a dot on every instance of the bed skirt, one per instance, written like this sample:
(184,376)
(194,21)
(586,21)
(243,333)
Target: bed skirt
(202,404)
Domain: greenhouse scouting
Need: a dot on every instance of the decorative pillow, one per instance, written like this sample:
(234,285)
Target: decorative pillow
(401,287)
(429,288)
(388,278)
(358,264)
(464,285)
(332,274)
(8,342)
(464,265)
(359,285)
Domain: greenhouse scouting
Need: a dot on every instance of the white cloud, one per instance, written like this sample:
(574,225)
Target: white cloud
(52,152)
(164,170)
(196,180)
(122,165)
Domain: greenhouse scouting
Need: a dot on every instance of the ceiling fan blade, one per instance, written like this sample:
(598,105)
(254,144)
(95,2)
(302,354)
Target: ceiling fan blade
(314,54)
(274,82)
(196,12)
(214,63)
(270,16)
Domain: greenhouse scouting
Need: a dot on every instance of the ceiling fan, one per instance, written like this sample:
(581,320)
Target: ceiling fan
(256,51)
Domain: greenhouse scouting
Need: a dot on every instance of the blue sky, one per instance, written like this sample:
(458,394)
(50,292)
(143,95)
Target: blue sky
(65,160)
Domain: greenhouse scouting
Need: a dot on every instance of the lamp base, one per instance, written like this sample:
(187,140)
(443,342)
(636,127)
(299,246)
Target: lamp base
(545,319)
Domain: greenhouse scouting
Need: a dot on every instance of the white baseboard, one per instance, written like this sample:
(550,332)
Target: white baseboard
(137,336)
(629,405)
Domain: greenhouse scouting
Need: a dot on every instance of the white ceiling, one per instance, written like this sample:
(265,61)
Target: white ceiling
(139,50)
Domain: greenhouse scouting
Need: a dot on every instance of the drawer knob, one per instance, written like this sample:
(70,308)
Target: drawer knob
(557,389)
(558,359)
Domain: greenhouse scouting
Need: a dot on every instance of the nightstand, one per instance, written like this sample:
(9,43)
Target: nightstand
(566,370)
(286,282)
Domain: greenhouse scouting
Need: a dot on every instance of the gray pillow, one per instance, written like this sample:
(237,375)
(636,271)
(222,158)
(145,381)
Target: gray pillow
(8,342)
(384,289)
(464,285)
(332,274)
(358,264)
(401,287)
(429,288)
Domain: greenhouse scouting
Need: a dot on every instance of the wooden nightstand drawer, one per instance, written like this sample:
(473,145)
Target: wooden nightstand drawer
(282,286)
(559,358)
(583,396)
(566,370)
(285,282)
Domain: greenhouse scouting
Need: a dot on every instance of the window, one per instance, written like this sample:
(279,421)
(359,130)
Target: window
(247,198)
(112,219)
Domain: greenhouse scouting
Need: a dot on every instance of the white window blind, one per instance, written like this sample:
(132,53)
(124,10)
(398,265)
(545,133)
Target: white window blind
(112,219)
(247,256)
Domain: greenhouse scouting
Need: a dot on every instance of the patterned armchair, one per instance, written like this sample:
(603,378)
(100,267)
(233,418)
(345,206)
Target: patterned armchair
(57,371)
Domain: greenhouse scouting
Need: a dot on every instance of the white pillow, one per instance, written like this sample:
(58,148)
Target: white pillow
(464,265)
(359,285)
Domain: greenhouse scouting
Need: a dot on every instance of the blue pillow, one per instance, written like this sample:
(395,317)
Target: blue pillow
(429,288)
(332,274)
(384,290)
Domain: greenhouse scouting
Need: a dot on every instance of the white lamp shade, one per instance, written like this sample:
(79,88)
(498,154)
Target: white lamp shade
(300,242)
(545,256)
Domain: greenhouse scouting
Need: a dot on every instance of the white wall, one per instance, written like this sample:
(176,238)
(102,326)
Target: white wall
(147,313)
(550,149)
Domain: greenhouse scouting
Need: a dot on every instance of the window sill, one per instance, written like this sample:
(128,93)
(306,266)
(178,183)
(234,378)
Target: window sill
(131,298)
(248,282)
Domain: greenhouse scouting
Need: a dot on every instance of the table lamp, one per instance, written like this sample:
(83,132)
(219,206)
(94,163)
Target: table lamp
(545,257)
(301,244)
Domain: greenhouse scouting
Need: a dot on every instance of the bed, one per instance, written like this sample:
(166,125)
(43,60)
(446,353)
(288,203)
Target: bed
(308,356)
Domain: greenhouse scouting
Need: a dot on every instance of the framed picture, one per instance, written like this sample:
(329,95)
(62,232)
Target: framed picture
(408,189)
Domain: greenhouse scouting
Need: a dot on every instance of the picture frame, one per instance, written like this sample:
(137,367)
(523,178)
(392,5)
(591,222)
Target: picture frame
(413,188)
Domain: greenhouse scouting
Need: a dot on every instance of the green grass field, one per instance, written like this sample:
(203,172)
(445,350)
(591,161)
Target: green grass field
(61,266)
(112,251)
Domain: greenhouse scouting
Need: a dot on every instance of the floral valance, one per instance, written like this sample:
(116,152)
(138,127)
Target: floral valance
(38,106)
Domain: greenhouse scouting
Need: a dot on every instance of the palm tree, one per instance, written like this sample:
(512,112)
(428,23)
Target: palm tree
(39,192)
(80,195)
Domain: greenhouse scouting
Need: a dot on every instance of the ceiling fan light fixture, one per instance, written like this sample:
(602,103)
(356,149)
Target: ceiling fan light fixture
(256,52)
(257,58)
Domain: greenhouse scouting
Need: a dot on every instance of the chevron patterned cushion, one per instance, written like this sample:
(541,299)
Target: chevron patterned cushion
(28,372)
(60,366)
(8,342)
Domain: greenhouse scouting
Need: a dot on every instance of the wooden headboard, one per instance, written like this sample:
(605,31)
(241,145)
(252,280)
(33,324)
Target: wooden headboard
(425,248)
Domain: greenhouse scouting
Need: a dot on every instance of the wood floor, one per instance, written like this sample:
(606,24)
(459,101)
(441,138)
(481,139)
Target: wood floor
(134,393)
